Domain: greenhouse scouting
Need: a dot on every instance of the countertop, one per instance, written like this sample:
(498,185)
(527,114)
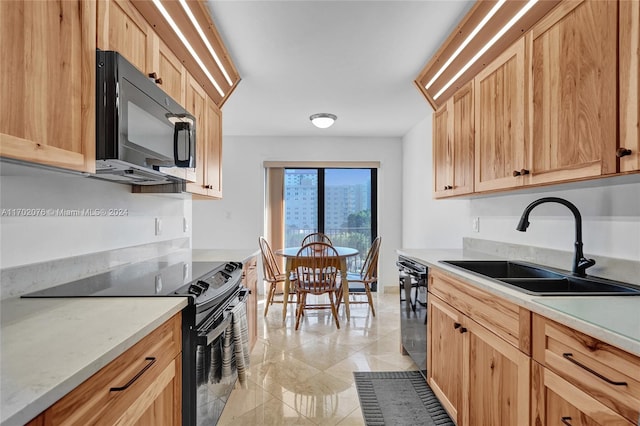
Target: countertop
(49,346)
(612,319)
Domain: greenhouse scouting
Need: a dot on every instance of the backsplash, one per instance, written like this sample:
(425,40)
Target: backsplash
(605,267)
(49,215)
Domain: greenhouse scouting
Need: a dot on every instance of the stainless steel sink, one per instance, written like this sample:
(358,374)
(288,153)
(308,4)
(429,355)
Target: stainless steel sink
(543,281)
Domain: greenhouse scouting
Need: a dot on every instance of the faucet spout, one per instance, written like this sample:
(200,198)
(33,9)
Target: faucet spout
(580,263)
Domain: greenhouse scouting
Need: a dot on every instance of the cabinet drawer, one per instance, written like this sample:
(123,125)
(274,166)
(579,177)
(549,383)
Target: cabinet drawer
(143,371)
(608,374)
(556,401)
(509,321)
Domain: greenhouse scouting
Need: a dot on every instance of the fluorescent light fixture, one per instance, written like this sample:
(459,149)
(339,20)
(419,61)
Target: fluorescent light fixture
(323,120)
(205,40)
(184,41)
(486,47)
(464,44)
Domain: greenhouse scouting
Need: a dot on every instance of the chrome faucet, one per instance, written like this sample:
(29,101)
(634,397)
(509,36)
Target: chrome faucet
(580,263)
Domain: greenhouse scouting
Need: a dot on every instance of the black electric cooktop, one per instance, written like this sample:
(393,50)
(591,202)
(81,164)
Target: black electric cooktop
(149,278)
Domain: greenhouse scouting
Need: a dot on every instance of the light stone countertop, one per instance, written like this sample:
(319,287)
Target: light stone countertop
(612,319)
(49,346)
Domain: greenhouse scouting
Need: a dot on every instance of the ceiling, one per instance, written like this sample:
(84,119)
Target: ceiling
(356,59)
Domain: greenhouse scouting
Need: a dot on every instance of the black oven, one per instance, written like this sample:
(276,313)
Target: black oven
(413,310)
(219,352)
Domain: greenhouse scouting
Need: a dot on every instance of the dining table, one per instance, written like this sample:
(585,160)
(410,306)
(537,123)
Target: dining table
(293,260)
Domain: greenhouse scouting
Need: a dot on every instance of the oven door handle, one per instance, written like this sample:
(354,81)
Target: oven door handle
(217,332)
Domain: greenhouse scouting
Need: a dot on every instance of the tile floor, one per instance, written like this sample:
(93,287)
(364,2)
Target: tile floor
(305,377)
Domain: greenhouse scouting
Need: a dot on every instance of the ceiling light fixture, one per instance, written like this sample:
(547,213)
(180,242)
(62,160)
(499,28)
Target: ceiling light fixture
(486,47)
(323,120)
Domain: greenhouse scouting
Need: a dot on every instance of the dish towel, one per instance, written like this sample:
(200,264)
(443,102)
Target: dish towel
(227,355)
(215,368)
(241,341)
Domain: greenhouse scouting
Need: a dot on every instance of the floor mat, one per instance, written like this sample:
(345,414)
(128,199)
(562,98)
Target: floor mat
(398,398)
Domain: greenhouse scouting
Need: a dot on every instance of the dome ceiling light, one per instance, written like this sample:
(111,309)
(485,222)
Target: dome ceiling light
(323,120)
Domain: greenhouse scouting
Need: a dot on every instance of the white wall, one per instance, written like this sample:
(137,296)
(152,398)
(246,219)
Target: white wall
(237,220)
(426,222)
(26,240)
(610,219)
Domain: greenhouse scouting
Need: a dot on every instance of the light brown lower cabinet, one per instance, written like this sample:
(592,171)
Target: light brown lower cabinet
(491,362)
(143,386)
(480,378)
(608,375)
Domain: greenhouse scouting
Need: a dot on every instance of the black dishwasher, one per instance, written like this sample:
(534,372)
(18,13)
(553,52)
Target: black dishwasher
(413,310)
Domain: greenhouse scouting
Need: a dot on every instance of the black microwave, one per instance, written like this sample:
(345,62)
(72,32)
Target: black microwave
(140,130)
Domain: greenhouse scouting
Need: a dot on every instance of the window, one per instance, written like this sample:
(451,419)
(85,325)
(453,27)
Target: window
(341,202)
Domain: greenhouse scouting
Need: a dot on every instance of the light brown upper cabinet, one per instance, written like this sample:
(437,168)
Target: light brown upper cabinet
(629,103)
(168,71)
(499,119)
(121,27)
(572,92)
(47,74)
(561,104)
(208,172)
(453,145)
(208,181)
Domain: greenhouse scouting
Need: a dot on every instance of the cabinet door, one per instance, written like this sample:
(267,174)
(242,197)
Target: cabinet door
(444,362)
(629,147)
(47,81)
(453,145)
(498,379)
(169,72)
(499,120)
(196,104)
(165,407)
(213,155)
(573,92)
(123,29)
(557,402)
(442,152)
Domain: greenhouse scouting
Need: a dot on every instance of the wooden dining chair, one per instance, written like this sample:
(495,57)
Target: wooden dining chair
(272,274)
(360,283)
(316,237)
(317,271)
